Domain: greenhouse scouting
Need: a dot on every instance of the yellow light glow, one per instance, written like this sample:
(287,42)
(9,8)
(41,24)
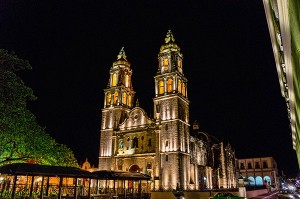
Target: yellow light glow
(179,85)
(161,87)
(166,62)
(114,79)
(116,97)
(108,99)
(170,85)
(127,80)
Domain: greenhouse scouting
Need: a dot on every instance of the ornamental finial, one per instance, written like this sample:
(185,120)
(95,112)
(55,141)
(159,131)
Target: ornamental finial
(122,54)
(169,37)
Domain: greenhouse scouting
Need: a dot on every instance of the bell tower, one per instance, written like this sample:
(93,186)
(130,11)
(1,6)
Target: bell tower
(171,107)
(118,100)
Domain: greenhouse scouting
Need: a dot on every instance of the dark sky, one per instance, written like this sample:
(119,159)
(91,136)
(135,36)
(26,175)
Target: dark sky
(233,85)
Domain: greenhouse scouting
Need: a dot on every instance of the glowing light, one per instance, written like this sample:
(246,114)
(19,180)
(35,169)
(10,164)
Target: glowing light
(39,179)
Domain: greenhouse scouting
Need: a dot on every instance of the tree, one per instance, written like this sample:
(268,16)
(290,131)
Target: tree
(22,139)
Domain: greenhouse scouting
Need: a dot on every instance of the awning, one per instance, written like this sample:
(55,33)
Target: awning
(44,170)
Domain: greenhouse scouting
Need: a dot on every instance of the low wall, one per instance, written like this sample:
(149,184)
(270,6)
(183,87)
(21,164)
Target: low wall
(187,195)
(194,195)
(254,193)
(202,194)
(162,195)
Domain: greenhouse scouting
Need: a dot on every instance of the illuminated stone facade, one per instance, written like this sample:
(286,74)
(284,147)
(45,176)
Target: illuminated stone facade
(161,146)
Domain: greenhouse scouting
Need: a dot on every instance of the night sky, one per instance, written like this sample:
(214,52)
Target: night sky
(233,85)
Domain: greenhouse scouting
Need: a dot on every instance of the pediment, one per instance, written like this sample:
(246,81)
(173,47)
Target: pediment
(137,117)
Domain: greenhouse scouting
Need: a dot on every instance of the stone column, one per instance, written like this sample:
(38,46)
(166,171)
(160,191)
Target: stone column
(156,88)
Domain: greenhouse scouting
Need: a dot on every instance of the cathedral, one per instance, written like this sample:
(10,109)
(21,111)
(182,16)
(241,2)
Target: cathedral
(167,147)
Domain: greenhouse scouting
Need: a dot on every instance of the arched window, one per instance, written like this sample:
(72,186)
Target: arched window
(115,97)
(258,181)
(124,96)
(126,80)
(114,79)
(135,143)
(179,86)
(134,169)
(108,100)
(170,85)
(161,87)
(251,181)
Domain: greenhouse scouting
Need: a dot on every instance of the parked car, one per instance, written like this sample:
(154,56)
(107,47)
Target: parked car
(225,195)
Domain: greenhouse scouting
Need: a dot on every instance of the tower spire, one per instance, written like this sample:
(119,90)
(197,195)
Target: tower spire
(169,37)
(122,54)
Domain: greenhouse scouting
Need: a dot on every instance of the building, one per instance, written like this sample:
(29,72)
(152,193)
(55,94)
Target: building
(283,18)
(161,146)
(217,160)
(259,171)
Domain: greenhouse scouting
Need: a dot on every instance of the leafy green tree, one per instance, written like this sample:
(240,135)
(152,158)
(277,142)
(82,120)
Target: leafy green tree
(21,138)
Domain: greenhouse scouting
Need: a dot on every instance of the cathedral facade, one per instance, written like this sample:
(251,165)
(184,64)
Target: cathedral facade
(163,146)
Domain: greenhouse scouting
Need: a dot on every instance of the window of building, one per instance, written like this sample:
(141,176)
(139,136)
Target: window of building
(242,166)
(166,127)
(108,99)
(183,89)
(265,164)
(166,64)
(120,164)
(257,166)
(249,165)
(114,79)
(179,86)
(149,142)
(170,85)
(149,165)
(135,143)
(161,87)
(167,158)
(116,97)
(126,80)
(167,143)
(166,61)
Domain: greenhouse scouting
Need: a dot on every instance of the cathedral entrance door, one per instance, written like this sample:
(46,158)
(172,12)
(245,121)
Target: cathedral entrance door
(134,168)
